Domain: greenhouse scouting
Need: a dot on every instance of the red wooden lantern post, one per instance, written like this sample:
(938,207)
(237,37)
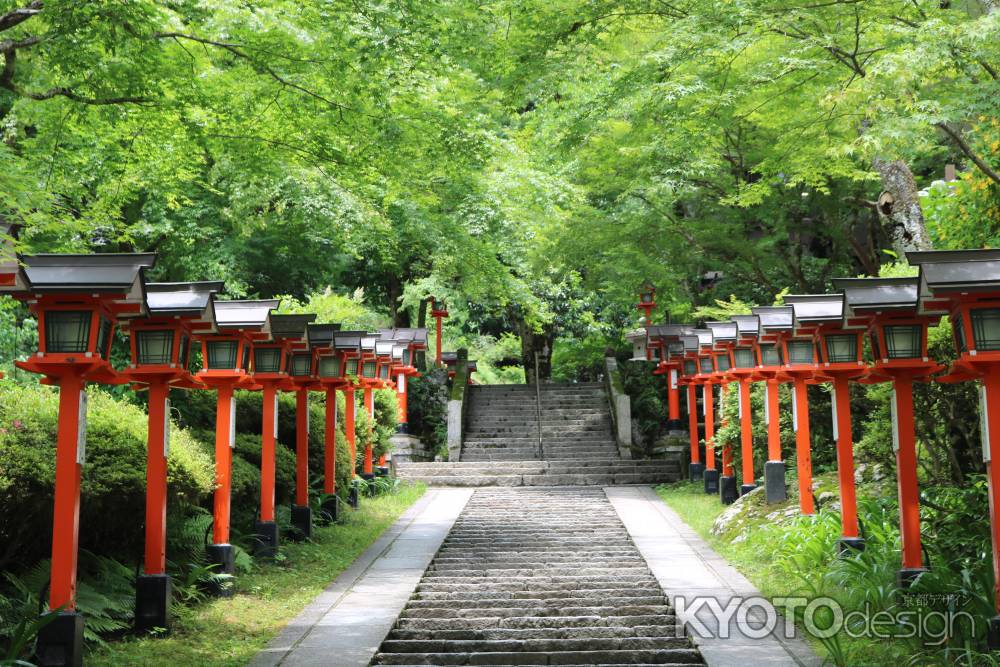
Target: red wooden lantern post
(291,330)
(225,367)
(744,367)
(328,370)
(439,311)
(705,377)
(647,302)
(386,380)
(724,334)
(78,300)
(966,284)
(889,309)
(667,337)
(689,371)
(840,354)
(369,377)
(775,321)
(338,360)
(160,350)
(799,354)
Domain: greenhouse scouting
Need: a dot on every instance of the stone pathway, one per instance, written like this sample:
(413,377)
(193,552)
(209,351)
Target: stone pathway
(529,576)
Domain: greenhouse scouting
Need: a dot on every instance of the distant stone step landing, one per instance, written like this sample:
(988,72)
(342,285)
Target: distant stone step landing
(500,443)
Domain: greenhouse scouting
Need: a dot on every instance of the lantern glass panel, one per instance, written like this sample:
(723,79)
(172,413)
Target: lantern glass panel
(800,352)
(722,362)
(904,341)
(368,370)
(986,328)
(959,329)
(744,357)
(329,367)
(406,357)
(184,353)
(876,349)
(267,360)
(690,367)
(246,358)
(222,354)
(770,355)
(67,330)
(352,367)
(104,338)
(302,364)
(841,348)
(154,347)
(706,364)
(383,372)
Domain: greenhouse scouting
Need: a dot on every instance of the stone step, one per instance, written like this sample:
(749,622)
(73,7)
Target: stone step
(664,630)
(533,645)
(675,656)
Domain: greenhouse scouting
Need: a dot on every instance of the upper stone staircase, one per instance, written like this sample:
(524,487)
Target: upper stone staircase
(501,444)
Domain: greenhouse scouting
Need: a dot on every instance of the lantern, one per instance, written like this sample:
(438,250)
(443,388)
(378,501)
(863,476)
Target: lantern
(78,300)
(439,311)
(839,356)
(775,323)
(294,359)
(160,347)
(745,355)
(724,334)
(706,378)
(226,356)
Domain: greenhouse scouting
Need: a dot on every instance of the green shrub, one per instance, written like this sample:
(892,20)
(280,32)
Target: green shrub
(114,476)
(427,409)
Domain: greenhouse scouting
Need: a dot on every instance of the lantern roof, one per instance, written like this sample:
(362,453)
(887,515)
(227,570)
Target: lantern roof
(383,348)
(348,340)
(691,343)
(957,270)
(722,332)
(291,326)
(368,341)
(667,331)
(248,314)
(397,351)
(864,295)
(183,299)
(816,308)
(774,318)
(321,335)
(746,325)
(705,337)
(114,273)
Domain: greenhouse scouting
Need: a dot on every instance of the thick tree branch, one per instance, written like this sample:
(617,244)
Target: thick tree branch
(969,153)
(18,16)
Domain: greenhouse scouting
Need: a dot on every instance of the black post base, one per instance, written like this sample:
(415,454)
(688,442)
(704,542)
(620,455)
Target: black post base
(711,479)
(848,546)
(224,557)
(774,482)
(382,471)
(60,643)
(302,520)
(328,509)
(265,540)
(402,427)
(907,575)
(152,603)
(675,425)
(696,470)
(747,488)
(993,633)
(354,495)
(727,490)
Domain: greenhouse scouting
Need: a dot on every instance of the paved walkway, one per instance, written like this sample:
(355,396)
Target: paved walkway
(687,568)
(345,624)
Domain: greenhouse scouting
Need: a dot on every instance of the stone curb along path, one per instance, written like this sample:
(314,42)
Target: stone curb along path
(345,624)
(686,567)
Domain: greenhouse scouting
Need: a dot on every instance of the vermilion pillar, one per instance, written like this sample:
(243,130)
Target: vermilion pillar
(66,518)
(225,427)
(267,453)
(845,466)
(156,480)
(401,397)
(774,468)
(330,444)
(369,400)
(711,474)
(437,340)
(727,483)
(990,417)
(673,399)
(803,453)
(349,430)
(746,439)
(302,447)
(906,467)
(697,467)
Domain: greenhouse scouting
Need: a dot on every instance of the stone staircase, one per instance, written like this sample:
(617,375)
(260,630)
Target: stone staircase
(500,445)
(537,577)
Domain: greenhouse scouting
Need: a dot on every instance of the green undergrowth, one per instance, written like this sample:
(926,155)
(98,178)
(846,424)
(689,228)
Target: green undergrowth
(785,554)
(229,632)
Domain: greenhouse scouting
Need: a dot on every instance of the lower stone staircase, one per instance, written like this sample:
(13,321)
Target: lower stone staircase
(537,577)
(500,444)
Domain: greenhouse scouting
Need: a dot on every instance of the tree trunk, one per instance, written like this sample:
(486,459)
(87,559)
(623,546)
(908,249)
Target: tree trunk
(421,356)
(532,343)
(394,290)
(903,211)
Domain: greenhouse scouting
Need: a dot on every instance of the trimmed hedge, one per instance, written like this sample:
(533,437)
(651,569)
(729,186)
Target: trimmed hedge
(114,476)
